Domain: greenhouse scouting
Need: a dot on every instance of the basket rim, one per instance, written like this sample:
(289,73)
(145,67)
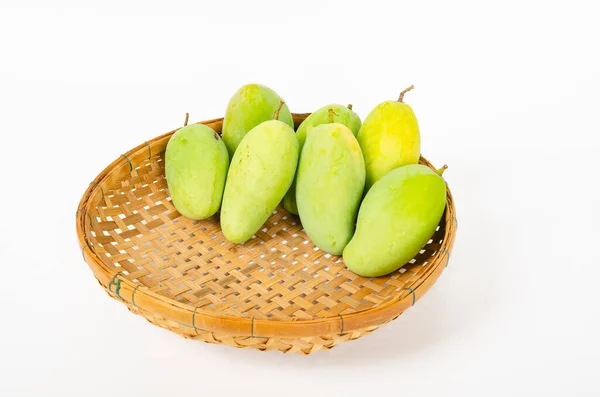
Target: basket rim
(206,320)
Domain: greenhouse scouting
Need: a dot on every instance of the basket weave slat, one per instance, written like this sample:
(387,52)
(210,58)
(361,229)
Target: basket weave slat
(276,292)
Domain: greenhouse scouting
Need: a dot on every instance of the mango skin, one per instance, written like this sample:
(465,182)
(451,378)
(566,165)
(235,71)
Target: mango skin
(397,217)
(389,138)
(330,184)
(343,115)
(261,171)
(196,163)
(248,107)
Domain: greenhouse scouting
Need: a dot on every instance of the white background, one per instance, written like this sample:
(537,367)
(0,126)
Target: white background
(507,94)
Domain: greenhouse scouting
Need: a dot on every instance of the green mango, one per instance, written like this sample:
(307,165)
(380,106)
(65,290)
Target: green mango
(330,183)
(389,138)
(396,219)
(251,105)
(261,171)
(333,113)
(196,163)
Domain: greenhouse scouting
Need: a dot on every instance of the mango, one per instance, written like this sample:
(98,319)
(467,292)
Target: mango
(389,138)
(196,163)
(330,184)
(333,113)
(251,105)
(261,172)
(396,219)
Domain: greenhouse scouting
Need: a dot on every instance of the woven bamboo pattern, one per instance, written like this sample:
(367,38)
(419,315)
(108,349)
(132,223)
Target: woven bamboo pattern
(276,292)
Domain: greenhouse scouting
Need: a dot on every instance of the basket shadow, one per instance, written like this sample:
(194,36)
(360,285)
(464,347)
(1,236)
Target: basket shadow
(418,329)
(431,322)
(435,320)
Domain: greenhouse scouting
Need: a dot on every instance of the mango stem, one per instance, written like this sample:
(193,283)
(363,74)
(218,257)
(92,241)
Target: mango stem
(276,114)
(187,117)
(349,106)
(401,97)
(441,170)
(331,114)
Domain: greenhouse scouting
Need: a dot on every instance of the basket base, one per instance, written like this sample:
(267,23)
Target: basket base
(303,346)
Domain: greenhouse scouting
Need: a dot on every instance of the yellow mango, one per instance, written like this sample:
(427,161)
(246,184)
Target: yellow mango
(389,138)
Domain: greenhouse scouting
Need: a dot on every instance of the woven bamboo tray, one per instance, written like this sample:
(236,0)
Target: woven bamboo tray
(276,292)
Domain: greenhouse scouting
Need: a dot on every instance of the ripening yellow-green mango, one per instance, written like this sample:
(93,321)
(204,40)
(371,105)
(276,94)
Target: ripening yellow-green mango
(389,138)
(397,217)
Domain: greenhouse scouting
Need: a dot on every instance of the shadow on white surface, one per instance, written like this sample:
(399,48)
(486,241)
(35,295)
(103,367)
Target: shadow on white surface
(447,314)
(432,322)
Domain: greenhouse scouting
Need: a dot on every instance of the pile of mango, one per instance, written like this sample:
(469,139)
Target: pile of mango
(357,187)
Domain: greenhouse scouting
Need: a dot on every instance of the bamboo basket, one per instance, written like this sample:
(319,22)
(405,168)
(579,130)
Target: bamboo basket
(276,292)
